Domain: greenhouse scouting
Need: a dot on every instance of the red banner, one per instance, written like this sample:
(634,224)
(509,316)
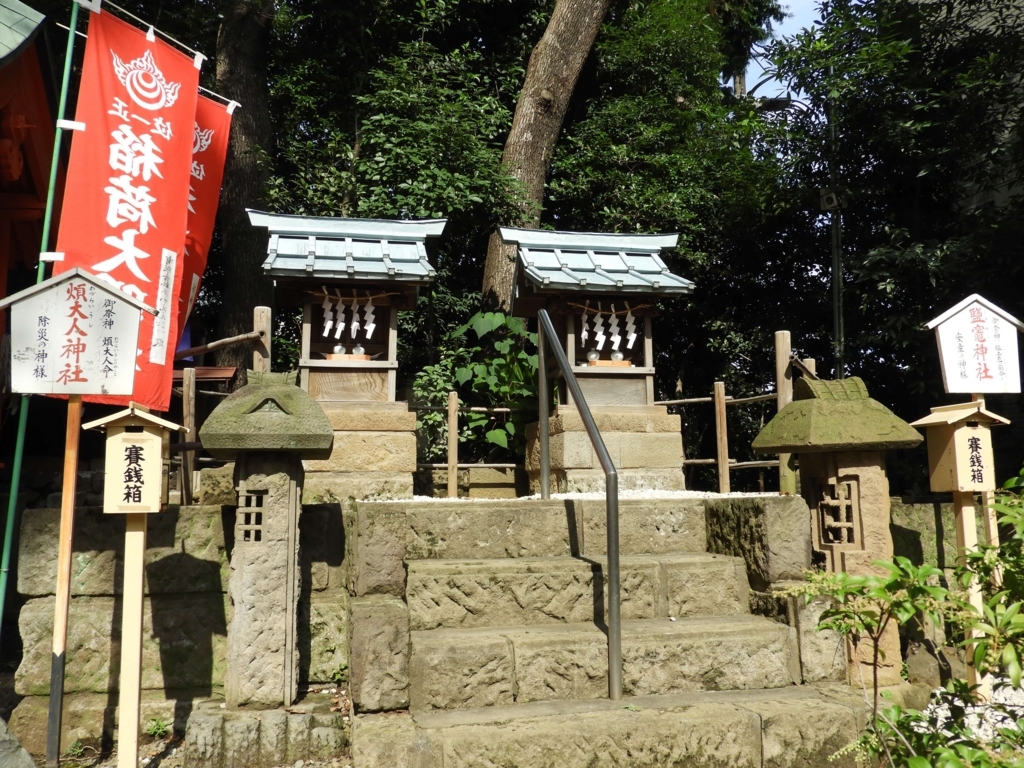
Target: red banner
(125,207)
(209,150)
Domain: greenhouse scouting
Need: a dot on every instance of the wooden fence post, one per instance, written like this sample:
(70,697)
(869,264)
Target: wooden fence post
(453,445)
(261,321)
(784,396)
(188,412)
(722,437)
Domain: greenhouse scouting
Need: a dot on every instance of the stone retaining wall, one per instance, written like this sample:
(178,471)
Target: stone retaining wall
(187,612)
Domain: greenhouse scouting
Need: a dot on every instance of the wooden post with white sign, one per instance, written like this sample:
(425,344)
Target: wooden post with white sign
(72,335)
(137,443)
(978,351)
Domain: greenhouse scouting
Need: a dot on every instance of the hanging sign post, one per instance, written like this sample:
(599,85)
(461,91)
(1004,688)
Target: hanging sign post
(978,353)
(135,467)
(71,335)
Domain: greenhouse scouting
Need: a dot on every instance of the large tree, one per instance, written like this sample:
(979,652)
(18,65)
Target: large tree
(551,76)
(242,50)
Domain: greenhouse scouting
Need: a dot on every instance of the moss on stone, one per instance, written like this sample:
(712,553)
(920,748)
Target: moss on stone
(830,416)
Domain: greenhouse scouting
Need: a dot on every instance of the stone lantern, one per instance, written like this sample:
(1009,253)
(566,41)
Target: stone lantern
(267,427)
(601,291)
(839,436)
(351,277)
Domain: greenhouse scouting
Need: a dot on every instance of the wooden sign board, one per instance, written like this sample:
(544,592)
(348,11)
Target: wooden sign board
(978,348)
(134,470)
(73,335)
(960,456)
(134,465)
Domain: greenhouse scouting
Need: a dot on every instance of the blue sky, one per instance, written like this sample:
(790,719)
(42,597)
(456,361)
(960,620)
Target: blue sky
(800,15)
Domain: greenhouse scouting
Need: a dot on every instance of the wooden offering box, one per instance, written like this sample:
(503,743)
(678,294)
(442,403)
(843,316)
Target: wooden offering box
(351,277)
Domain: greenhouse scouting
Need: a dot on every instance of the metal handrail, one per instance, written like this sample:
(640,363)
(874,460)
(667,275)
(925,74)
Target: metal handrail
(546,333)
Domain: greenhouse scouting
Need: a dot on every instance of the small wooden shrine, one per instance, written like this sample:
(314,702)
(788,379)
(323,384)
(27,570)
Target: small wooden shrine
(601,291)
(351,277)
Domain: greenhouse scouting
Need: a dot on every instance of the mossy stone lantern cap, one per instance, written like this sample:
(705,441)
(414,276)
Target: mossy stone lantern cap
(269,415)
(830,416)
(840,436)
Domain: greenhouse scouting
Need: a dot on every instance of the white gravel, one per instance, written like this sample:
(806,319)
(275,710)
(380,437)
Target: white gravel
(984,719)
(637,494)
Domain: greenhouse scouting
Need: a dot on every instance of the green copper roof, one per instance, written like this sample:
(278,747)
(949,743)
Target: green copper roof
(270,414)
(827,416)
(18,27)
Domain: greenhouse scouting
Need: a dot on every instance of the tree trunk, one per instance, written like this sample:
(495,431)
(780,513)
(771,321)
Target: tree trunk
(551,76)
(242,48)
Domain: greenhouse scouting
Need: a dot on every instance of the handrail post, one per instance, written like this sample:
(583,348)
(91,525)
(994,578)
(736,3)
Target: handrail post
(546,328)
(611,504)
(543,411)
(453,445)
(721,438)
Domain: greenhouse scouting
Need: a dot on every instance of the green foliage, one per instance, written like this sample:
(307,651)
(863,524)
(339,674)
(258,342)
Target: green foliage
(501,373)
(497,372)
(157,728)
(76,749)
(907,107)
(958,729)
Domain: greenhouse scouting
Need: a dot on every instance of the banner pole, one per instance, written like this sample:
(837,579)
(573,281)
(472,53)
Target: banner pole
(19,446)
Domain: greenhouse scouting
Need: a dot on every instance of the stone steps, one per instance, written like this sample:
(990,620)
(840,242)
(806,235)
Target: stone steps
(531,591)
(795,727)
(468,668)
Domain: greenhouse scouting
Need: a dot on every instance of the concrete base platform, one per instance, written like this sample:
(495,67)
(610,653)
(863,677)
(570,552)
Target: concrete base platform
(467,668)
(797,727)
(531,591)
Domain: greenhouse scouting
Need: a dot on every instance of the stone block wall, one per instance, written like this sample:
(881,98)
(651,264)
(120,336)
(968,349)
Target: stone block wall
(187,612)
(773,536)
(644,442)
(374,454)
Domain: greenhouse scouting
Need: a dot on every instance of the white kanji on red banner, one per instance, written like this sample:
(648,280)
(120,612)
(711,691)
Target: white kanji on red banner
(124,216)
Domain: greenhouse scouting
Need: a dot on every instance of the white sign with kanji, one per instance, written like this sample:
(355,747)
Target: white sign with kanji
(134,470)
(978,348)
(73,336)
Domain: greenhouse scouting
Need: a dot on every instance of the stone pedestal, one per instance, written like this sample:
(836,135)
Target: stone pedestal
(645,443)
(374,454)
(263,656)
(848,494)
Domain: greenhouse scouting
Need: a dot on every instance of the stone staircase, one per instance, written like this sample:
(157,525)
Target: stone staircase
(481,627)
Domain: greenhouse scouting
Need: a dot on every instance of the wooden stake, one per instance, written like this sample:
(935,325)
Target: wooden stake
(131,640)
(188,411)
(722,437)
(64,552)
(783,397)
(967,541)
(453,445)
(261,321)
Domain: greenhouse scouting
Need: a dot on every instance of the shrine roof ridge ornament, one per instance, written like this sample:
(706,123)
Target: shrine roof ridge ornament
(336,248)
(75,274)
(972,299)
(596,262)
